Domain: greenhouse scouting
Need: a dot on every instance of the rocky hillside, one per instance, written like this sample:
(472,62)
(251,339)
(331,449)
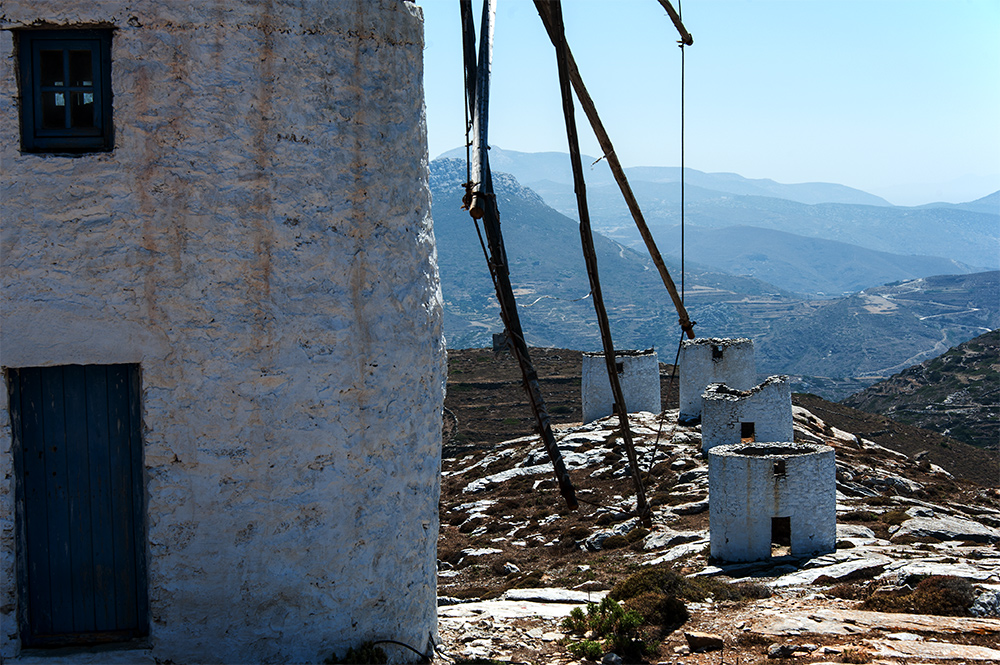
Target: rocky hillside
(956,394)
(514,561)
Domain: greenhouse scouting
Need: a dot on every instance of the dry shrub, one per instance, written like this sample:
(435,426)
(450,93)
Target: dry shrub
(941,595)
(658,609)
(472,525)
(856,655)
(455,519)
(636,534)
(663,580)
(858,516)
(848,591)
(753,590)
(895,517)
(614,542)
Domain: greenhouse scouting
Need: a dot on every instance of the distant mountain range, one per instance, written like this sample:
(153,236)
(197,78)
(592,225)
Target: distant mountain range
(926,240)
(956,393)
(869,334)
(532,168)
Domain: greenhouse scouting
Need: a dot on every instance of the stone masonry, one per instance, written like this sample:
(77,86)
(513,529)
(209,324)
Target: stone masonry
(713,360)
(757,489)
(763,413)
(259,242)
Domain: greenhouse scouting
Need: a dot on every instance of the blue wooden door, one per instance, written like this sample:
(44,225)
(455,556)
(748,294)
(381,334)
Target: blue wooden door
(80,514)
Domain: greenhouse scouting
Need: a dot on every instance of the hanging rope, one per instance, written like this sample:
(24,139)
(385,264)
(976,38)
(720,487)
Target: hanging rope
(682,44)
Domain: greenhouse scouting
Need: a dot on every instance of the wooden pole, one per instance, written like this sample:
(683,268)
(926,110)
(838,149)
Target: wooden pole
(590,255)
(545,11)
(686,37)
(482,191)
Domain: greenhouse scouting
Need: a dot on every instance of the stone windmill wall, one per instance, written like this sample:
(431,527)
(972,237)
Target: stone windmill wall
(638,374)
(257,252)
(713,360)
(763,413)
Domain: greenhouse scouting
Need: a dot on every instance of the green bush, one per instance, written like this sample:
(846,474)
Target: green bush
(614,628)
(586,649)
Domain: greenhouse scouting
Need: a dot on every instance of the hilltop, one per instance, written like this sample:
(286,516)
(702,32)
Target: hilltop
(513,559)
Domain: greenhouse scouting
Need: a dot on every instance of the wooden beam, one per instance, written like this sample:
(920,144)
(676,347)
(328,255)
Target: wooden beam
(483,196)
(686,37)
(545,11)
(590,255)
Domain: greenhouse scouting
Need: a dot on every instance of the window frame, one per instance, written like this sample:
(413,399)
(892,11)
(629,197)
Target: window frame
(38,139)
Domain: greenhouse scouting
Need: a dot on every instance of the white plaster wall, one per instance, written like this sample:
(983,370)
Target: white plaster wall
(260,242)
(768,406)
(698,368)
(745,493)
(639,378)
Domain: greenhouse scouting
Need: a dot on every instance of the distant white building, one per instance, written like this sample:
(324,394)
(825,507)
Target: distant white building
(764,495)
(638,374)
(222,329)
(713,360)
(762,413)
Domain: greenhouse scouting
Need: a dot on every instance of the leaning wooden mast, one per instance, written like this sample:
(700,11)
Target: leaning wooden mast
(481,202)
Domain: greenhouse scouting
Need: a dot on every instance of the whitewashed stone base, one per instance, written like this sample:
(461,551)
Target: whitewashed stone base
(259,242)
(752,483)
(639,374)
(768,406)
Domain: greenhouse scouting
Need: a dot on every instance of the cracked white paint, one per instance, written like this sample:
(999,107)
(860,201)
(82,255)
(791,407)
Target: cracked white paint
(260,243)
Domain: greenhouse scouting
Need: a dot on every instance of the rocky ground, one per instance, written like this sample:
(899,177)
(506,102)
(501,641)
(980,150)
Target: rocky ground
(514,560)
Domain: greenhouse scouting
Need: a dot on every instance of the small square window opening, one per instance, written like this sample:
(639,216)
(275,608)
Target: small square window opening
(65,90)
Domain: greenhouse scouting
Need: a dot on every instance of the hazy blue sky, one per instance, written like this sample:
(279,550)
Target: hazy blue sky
(900,98)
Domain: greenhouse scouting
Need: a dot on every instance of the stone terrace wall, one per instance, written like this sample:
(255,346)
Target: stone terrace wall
(260,242)
(639,378)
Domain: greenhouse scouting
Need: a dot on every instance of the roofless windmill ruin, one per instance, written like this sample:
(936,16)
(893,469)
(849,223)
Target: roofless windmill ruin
(222,332)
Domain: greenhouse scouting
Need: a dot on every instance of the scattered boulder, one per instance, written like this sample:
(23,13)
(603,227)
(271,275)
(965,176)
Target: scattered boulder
(780,651)
(693,508)
(666,538)
(987,604)
(947,528)
(611,659)
(703,641)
